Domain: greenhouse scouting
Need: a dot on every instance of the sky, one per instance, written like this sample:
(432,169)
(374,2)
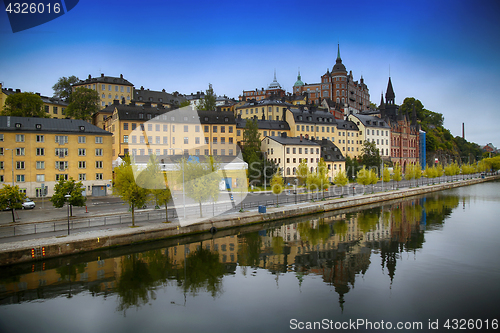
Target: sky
(444,53)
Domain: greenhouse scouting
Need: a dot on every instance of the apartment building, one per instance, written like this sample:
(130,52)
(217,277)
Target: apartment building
(373,129)
(36,152)
(109,88)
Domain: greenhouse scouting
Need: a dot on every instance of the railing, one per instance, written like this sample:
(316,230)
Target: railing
(208,209)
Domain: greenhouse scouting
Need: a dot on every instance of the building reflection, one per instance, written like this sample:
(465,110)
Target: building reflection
(338,247)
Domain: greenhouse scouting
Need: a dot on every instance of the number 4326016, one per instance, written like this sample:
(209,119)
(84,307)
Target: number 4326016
(33,8)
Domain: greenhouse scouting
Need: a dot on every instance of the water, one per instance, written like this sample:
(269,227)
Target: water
(419,261)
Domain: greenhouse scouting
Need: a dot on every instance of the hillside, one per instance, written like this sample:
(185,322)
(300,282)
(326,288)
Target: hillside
(440,142)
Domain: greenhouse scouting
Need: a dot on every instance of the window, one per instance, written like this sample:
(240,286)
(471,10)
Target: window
(173,128)
(197,140)
(39,138)
(98,152)
(186,140)
(20,165)
(19,151)
(98,164)
(223,141)
(207,140)
(61,152)
(305,150)
(54,109)
(40,178)
(61,139)
(207,152)
(20,178)
(40,151)
(81,151)
(98,176)
(19,137)
(238,132)
(223,129)
(197,152)
(125,126)
(215,140)
(82,139)
(125,139)
(61,165)
(98,139)
(206,129)
(47,109)
(230,129)
(185,128)
(82,176)
(40,165)
(215,152)
(82,164)
(157,140)
(61,176)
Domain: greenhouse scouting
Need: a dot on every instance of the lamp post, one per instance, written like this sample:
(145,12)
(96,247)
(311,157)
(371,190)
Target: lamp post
(67,196)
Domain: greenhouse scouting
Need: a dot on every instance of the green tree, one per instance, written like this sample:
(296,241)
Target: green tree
(24,104)
(396,173)
(417,172)
(277,185)
(83,102)
(322,172)
(251,150)
(351,167)
(364,176)
(201,179)
(127,188)
(341,180)
(156,182)
(62,89)
(410,172)
(302,171)
(68,187)
(184,104)
(208,102)
(370,157)
(386,176)
(11,197)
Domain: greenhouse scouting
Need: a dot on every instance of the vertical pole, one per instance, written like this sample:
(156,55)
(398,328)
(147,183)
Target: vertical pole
(68,218)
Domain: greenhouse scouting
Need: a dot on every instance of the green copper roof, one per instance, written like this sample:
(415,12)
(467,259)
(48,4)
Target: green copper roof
(338,52)
(299,82)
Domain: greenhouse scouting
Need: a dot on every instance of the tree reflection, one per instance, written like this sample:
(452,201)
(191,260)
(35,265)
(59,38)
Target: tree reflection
(368,219)
(313,235)
(203,271)
(249,250)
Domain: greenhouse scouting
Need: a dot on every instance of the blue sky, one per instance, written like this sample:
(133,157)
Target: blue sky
(445,53)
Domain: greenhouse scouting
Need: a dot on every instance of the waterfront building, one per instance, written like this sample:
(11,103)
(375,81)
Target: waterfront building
(405,132)
(373,129)
(287,153)
(109,88)
(146,130)
(37,152)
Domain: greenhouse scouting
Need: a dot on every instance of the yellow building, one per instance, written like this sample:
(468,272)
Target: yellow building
(158,98)
(288,152)
(267,109)
(333,157)
(316,123)
(146,130)
(53,107)
(109,88)
(266,127)
(40,151)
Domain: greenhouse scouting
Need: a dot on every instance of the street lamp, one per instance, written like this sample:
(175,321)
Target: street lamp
(67,196)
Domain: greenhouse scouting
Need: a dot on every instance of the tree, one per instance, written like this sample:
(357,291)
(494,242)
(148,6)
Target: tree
(208,102)
(62,89)
(322,172)
(83,103)
(157,183)
(397,174)
(351,167)
(24,104)
(201,179)
(184,104)
(11,198)
(410,172)
(417,172)
(128,189)
(370,157)
(71,187)
(363,177)
(302,171)
(312,181)
(340,179)
(386,176)
(251,150)
(277,186)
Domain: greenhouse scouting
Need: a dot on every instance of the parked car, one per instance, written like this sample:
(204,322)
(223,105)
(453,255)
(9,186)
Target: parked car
(28,204)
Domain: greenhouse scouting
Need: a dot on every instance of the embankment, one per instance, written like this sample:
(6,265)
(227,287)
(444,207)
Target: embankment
(44,248)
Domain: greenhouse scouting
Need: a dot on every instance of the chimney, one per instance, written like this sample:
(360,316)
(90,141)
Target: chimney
(102,74)
(463,131)
(116,102)
(283,134)
(142,87)
(18,90)
(90,76)
(121,76)
(300,137)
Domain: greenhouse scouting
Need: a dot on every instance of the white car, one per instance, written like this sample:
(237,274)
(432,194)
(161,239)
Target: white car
(28,204)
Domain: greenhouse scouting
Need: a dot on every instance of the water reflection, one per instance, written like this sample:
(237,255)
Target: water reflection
(338,247)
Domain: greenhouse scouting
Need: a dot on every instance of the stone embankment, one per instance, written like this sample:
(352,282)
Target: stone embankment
(18,252)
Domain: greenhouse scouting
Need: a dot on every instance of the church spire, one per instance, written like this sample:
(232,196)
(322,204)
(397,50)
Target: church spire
(338,53)
(389,95)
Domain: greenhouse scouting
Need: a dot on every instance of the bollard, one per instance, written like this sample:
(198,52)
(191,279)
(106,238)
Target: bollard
(86,211)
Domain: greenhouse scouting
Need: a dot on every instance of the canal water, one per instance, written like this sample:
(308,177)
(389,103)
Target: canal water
(427,262)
